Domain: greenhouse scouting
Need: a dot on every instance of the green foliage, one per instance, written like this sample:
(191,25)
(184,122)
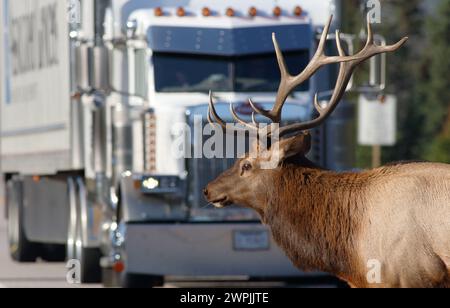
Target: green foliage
(437,89)
(418,74)
(401,18)
(439,151)
(351,16)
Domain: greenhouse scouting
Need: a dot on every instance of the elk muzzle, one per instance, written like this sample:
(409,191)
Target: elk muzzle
(219,200)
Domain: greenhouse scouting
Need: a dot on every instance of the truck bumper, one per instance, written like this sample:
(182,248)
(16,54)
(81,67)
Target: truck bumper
(201,250)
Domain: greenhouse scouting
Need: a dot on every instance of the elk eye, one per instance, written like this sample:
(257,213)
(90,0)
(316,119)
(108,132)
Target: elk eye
(246,167)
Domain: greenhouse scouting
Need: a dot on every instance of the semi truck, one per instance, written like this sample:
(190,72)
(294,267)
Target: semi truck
(92,95)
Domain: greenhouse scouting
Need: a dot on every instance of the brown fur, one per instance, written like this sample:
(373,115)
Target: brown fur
(315,217)
(326,209)
(336,222)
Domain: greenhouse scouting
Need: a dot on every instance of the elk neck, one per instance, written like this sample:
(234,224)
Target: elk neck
(316,215)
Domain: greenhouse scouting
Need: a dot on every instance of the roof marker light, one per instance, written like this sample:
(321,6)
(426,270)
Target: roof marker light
(277,11)
(159,12)
(230,12)
(181,12)
(253,11)
(206,12)
(298,11)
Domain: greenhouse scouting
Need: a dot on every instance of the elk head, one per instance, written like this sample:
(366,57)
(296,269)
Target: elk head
(245,183)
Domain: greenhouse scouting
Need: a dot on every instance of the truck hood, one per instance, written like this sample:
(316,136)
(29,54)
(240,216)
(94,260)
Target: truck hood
(298,107)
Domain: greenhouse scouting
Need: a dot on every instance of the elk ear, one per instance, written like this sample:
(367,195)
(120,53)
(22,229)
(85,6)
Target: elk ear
(297,145)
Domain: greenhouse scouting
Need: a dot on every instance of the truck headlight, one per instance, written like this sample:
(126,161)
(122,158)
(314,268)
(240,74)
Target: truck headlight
(150,183)
(161,184)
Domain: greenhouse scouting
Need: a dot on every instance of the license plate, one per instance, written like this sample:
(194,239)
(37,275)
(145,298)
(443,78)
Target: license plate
(251,240)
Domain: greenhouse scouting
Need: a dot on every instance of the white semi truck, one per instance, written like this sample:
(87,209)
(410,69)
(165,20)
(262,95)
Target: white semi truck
(91,95)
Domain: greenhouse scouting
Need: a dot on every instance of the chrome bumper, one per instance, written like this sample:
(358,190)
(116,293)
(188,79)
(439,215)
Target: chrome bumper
(200,250)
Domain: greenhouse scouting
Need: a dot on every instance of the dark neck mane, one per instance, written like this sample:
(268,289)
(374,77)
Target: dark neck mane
(315,215)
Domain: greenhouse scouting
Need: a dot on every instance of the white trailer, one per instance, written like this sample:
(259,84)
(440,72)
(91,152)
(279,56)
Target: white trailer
(92,93)
(36,123)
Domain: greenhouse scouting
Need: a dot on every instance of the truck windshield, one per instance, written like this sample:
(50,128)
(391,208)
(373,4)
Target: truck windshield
(199,73)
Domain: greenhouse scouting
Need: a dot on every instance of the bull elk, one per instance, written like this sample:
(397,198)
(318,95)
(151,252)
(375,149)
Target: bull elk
(397,215)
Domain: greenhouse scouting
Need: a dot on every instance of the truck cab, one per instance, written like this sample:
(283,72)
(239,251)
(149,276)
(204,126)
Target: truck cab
(182,52)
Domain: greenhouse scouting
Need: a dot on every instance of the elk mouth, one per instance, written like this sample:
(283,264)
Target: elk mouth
(221,202)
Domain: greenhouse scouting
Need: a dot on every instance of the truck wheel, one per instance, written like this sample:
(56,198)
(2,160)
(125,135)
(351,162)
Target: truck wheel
(89,260)
(90,265)
(135,281)
(72,232)
(21,249)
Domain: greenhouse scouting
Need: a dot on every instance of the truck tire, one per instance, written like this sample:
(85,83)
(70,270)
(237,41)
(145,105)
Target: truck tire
(72,230)
(89,258)
(20,248)
(90,265)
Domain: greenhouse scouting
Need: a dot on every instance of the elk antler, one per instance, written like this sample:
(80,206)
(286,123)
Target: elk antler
(288,82)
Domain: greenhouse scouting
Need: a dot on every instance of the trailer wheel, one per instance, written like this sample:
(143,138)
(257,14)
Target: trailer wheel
(20,248)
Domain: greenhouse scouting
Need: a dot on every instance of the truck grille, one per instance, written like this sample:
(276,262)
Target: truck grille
(202,171)
(333,153)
